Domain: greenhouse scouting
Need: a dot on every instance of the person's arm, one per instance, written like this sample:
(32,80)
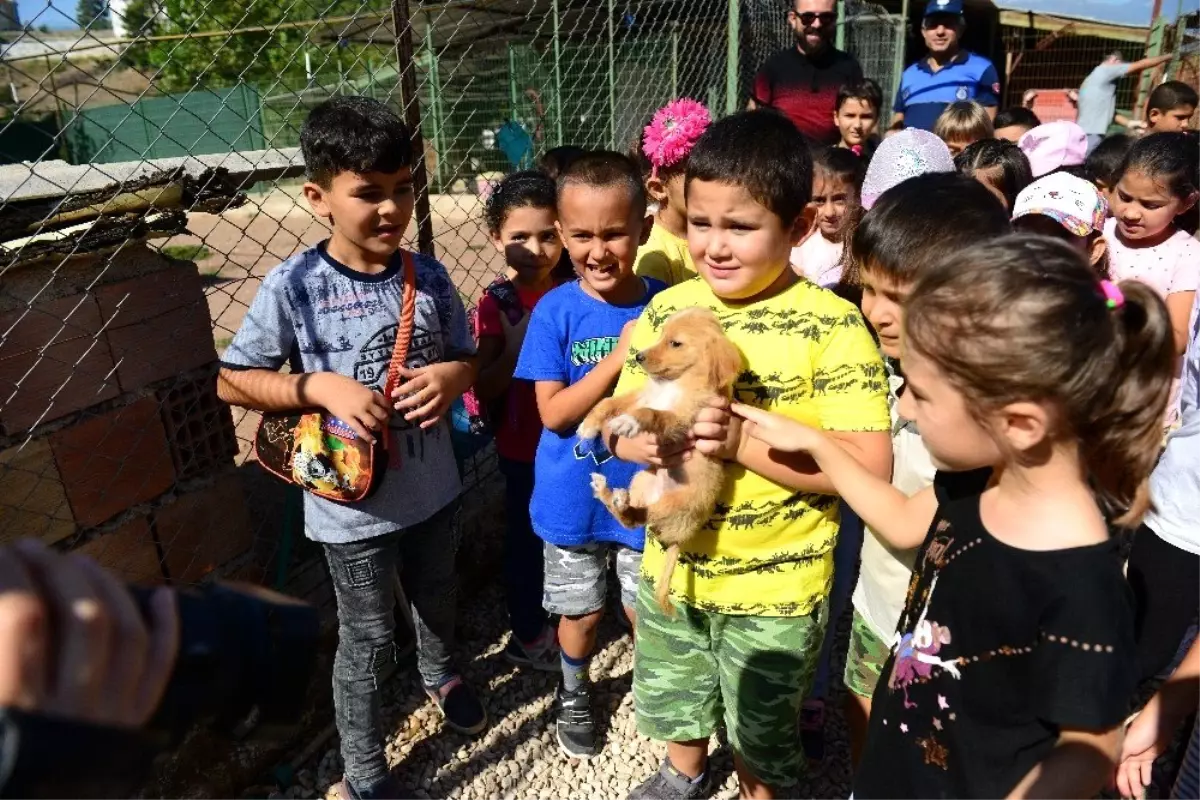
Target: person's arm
(871,450)
(1079,766)
(363,409)
(562,407)
(988,91)
(1179,309)
(901,520)
(1147,63)
(1152,730)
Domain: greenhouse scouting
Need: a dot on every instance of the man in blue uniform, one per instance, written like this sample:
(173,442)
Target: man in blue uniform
(946,73)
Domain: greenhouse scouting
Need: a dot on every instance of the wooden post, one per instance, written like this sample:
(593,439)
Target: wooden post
(402,28)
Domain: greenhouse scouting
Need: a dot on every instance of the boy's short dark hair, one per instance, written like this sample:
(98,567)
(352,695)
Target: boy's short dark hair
(601,169)
(353,134)
(865,90)
(764,153)
(1104,162)
(1017,115)
(1170,95)
(919,220)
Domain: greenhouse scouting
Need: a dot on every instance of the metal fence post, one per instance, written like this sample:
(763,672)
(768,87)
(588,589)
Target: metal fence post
(732,56)
(612,80)
(558,95)
(437,121)
(839,37)
(901,39)
(674,60)
(402,28)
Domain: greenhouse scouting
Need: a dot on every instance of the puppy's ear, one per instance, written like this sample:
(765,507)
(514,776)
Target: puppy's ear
(725,363)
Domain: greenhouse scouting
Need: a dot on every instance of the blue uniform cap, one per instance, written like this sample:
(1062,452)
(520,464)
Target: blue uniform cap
(944,7)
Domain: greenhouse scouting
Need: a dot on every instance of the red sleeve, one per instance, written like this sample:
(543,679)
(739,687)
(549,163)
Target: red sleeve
(488,318)
(762,93)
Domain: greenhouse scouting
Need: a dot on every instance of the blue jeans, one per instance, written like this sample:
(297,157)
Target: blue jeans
(362,574)
(523,572)
(845,561)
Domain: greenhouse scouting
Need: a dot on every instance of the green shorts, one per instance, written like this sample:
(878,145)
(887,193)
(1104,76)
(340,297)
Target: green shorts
(693,671)
(865,658)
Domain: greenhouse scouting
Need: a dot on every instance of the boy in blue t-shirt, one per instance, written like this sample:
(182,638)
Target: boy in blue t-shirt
(332,313)
(574,348)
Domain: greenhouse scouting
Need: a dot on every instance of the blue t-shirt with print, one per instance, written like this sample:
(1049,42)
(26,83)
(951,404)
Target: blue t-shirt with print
(569,333)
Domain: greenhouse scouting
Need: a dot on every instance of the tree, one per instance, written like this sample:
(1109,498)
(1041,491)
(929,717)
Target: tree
(265,59)
(93,14)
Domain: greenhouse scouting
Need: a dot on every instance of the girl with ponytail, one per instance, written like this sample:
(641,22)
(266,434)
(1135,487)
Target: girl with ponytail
(1039,392)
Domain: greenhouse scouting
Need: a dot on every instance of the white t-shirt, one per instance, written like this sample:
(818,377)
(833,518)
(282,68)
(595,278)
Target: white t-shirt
(885,572)
(1175,484)
(1168,267)
(819,260)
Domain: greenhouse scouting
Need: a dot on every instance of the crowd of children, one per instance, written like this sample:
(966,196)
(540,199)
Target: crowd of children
(970,343)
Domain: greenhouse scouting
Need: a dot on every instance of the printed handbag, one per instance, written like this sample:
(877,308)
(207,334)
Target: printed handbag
(320,453)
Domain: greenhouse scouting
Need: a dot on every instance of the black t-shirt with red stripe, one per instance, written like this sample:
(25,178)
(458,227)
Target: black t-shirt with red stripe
(805,89)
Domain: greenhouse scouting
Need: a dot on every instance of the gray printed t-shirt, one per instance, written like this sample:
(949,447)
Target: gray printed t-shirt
(321,316)
(1098,98)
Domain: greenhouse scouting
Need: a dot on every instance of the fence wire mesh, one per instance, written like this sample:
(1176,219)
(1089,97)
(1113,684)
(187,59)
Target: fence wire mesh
(153,179)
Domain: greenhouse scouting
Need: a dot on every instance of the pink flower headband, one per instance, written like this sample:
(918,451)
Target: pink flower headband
(673,132)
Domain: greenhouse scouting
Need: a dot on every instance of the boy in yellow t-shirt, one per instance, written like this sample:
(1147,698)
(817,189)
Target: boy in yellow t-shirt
(662,151)
(750,589)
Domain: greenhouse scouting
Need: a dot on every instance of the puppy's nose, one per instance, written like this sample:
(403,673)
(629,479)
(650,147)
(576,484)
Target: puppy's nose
(640,357)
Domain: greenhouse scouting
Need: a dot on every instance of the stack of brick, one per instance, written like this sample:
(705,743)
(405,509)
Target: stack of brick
(112,439)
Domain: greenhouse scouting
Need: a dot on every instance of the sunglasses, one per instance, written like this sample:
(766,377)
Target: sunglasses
(809,17)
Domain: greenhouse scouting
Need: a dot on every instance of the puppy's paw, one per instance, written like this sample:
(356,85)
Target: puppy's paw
(625,425)
(599,485)
(620,499)
(587,430)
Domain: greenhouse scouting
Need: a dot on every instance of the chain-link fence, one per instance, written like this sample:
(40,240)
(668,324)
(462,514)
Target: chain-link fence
(153,180)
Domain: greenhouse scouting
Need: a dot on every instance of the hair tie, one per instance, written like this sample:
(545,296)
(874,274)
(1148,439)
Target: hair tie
(1113,298)
(673,132)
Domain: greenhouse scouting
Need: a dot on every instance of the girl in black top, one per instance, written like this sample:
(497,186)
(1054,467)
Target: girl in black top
(1039,392)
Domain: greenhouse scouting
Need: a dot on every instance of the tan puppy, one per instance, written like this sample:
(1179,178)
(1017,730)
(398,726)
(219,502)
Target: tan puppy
(691,363)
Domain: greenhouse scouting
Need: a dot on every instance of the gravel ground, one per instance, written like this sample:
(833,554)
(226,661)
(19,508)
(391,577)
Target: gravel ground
(517,755)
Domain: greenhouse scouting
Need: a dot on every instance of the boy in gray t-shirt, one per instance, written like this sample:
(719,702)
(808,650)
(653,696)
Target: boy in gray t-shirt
(332,313)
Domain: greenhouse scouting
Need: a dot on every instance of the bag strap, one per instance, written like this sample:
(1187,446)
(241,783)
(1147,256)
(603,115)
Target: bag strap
(404,330)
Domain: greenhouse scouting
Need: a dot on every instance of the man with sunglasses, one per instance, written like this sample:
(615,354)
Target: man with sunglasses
(945,74)
(803,81)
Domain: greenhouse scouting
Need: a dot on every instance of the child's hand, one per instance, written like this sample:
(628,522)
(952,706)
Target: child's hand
(364,410)
(1143,743)
(647,448)
(514,334)
(427,392)
(778,431)
(621,350)
(717,432)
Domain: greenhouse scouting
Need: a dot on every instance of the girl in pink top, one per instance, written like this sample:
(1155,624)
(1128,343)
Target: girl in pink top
(837,180)
(1157,183)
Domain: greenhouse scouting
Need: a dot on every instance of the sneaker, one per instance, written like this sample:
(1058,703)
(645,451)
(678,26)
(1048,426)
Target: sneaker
(670,784)
(459,706)
(541,655)
(812,731)
(574,727)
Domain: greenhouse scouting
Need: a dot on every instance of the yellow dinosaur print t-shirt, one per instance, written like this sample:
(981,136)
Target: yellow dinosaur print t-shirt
(768,550)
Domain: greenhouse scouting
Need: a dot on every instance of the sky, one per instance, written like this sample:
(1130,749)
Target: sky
(1125,12)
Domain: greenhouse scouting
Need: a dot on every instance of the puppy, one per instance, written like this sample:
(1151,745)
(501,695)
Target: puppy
(691,363)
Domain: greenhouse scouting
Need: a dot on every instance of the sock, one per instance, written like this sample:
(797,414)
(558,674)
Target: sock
(575,672)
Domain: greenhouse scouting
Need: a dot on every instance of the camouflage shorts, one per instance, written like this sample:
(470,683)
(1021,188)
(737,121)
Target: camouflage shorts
(864,658)
(576,579)
(700,668)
